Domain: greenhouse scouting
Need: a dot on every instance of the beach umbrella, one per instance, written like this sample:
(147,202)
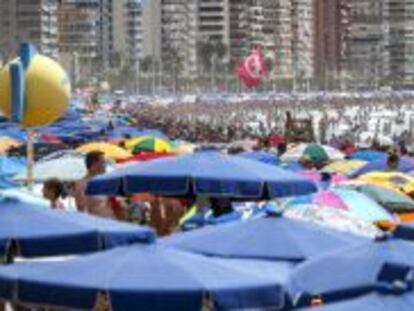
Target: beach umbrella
(145,156)
(65,166)
(202,173)
(318,153)
(344,166)
(370,302)
(267,238)
(396,181)
(262,156)
(333,218)
(363,206)
(350,200)
(124,131)
(404,232)
(9,167)
(405,165)
(40,150)
(350,271)
(147,277)
(110,151)
(369,155)
(394,201)
(35,231)
(148,144)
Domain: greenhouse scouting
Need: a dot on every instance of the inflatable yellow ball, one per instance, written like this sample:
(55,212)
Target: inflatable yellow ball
(47,92)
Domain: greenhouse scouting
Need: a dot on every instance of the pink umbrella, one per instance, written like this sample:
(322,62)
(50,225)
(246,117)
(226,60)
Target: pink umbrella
(329,198)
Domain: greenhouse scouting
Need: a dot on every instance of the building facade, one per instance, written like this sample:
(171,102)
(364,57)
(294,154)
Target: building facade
(78,37)
(29,20)
(328,41)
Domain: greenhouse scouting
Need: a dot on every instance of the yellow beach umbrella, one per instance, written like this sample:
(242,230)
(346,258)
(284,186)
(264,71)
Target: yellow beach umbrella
(344,166)
(392,180)
(110,151)
(148,144)
(6,143)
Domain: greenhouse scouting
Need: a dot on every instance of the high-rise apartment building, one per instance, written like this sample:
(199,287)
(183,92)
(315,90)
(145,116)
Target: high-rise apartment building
(128,32)
(303,33)
(329,46)
(365,40)
(78,36)
(29,20)
(398,32)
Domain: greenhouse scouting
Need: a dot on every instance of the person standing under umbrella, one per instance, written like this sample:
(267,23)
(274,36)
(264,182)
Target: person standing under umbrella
(393,162)
(99,206)
(53,190)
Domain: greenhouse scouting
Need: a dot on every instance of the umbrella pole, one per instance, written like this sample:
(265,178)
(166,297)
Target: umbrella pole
(30,158)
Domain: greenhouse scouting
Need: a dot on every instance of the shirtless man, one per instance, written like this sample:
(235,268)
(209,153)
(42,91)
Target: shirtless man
(95,205)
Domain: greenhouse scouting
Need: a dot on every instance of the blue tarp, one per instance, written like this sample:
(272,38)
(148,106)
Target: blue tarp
(207,173)
(46,232)
(142,278)
(270,238)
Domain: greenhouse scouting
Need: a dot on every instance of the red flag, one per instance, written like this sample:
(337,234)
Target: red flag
(253,69)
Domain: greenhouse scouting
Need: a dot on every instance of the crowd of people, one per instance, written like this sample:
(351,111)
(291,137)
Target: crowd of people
(269,126)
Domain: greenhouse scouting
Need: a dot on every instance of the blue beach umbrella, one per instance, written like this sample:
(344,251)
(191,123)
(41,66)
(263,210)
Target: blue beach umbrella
(147,277)
(368,155)
(370,302)
(203,173)
(36,231)
(268,238)
(350,271)
(265,157)
(406,164)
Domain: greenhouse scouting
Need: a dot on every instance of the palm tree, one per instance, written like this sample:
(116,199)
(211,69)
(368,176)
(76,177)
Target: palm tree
(146,63)
(211,54)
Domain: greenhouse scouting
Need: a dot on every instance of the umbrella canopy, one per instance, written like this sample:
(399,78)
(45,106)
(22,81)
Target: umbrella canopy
(394,201)
(334,218)
(66,166)
(344,166)
(395,181)
(269,238)
(148,144)
(406,164)
(141,278)
(205,173)
(370,302)
(145,156)
(110,151)
(369,155)
(318,153)
(363,206)
(404,232)
(37,231)
(350,271)
(265,157)
(352,201)
(40,150)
